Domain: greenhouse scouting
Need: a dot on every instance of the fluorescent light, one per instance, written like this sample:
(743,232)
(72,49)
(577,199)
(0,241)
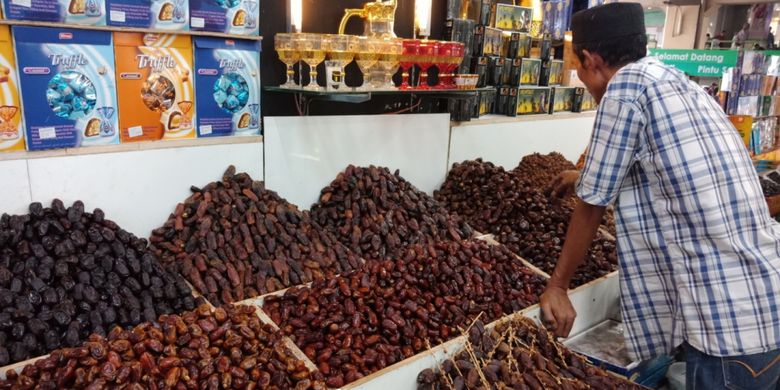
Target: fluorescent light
(422,16)
(296,15)
(536,14)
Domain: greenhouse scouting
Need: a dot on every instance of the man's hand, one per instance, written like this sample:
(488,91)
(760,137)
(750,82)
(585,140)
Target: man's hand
(563,185)
(557,310)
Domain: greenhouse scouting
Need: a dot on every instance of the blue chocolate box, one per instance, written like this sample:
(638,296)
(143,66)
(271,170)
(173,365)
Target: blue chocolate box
(173,15)
(86,12)
(227,86)
(67,84)
(239,17)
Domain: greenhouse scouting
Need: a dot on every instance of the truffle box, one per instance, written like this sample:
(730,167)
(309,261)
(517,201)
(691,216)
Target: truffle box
(66,78)
(11,131)
(84,12)
(172,15)
(239,17)
(227,86)
(154,86)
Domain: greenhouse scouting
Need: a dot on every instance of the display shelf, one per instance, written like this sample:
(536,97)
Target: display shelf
(131,147)
(773,155)
(492,119)
(128,29)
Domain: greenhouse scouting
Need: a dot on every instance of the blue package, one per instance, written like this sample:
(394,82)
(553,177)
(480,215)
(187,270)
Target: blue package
(172,15)
(67,83)
(239,17)
(227,86)
(86,12)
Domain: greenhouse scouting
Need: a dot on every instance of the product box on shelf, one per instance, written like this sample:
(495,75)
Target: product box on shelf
(768,85)
(732,103)
(515,68)
(465,65)
(495,70)
(533,100)
(562,99)
(502,94)
(583,101)
(479,67)
(488,41)
(744,126)
(767,105)
(556,17)
(556,72)
(485,102)
(460,30)
(84,12)
(11,130)
(227,86)
(67,82)
(513,18)
(519,45)
(154,86)
(479,10)
(750,84)
(173,15)
(239,17)
(505,73)
(752,62)
(749,105)
(462,109)
(530,71)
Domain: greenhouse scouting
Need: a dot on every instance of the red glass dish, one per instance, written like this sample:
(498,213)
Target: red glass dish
(407,60)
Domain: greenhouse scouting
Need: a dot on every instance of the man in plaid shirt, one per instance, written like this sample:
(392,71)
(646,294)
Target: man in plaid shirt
(699,253)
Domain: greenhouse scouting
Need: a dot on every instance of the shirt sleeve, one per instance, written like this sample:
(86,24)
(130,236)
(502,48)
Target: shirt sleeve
(611,152)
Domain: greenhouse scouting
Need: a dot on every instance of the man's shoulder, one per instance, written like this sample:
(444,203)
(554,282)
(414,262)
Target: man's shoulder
(635,78)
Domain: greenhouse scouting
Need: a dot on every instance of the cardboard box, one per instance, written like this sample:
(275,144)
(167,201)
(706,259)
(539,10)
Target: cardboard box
(744,125)
(495,71)
(479,67)
(229,16)
(11,129)
(533,100)
(749,105)
(479,11)
(485,103)
(513,18)
(173,15)
(519,45)
(530,71)
(154,86)
(513,78)
(556,17)
(501,101)
(68,87)
(492,42)
(562,99)
(227,86)
(84,12)
(556,72)
(583,101)
(460,30)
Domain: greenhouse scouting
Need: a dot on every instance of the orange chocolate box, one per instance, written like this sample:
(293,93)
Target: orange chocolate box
(154,86)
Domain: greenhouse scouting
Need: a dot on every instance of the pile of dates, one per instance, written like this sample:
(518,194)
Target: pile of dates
(66,273)
(769,187)
(235,240)
(227,348)
(521,217)
(379,215)
(363,321)
(539,169)
(517,355)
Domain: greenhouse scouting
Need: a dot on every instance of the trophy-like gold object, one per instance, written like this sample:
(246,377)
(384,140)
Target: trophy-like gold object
(379,18)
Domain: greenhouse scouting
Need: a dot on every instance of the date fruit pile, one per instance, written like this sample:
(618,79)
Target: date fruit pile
(66,273)
(521,217)
(517,355)
(202,349)
(235,240)
(379,215)
(769,187)
(363,321)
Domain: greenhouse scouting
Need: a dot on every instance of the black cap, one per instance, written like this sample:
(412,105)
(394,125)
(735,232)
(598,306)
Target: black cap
(608,21)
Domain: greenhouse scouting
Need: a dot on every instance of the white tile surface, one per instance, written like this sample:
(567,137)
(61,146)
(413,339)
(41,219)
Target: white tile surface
(139,189)
(15,188)
(304,154)
(506,143)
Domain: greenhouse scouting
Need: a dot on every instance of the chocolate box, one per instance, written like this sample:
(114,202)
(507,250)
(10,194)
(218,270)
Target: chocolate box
(227,86)
(173,15)
(85,12)
(154,86)
(68,87)
(239,17)
(11,129)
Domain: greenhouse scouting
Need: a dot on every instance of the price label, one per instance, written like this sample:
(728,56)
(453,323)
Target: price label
(135,131)
(117,16)
(205,129)
(22,3)
(47,133)
(197,22)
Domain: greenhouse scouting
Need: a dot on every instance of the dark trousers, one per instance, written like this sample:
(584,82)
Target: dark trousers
(750,372)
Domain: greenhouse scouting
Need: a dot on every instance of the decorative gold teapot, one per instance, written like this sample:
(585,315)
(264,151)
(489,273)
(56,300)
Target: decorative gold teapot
(379,18)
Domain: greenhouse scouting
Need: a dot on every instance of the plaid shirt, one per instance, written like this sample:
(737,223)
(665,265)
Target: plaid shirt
(699,254)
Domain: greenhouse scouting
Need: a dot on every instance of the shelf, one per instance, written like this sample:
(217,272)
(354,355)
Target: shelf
(128,29)
(492,119)
(131,147)
(351,91)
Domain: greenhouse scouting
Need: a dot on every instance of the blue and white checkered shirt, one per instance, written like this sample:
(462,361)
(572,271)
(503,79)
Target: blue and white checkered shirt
(699,254)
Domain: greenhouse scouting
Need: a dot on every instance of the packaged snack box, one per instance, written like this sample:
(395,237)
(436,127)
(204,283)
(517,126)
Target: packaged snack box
(530,71)
(563,99)
(173,15)
(11,130)
(227,86)
(154,86)
(533,100)
(228,16)
(68,87)
(86,12)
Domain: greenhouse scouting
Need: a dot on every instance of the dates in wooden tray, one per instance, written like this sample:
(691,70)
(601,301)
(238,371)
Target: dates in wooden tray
(365,320)
(66,273)
(234,240)
(517,355)
(378,214)
(520,217)
(202,349)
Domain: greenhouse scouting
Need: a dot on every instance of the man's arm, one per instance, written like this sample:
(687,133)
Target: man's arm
(555,303)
